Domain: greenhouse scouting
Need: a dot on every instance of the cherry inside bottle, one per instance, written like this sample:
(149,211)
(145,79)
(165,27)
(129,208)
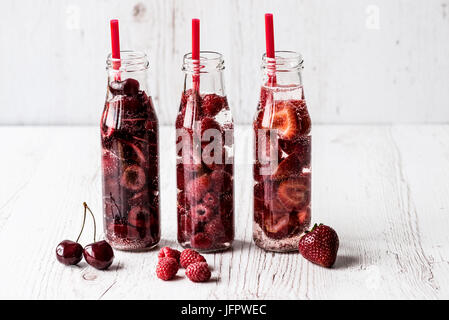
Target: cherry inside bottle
(130,157)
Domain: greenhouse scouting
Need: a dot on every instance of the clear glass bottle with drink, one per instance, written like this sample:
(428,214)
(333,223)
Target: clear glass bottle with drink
(130,156)
(205,153)
(282,158)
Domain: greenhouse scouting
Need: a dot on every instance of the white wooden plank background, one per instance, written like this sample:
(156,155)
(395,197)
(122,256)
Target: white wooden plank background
(383,188)
(366,61)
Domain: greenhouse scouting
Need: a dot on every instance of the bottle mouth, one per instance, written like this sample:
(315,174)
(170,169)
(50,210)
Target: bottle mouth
(284,61)
(130,61)
(209,61)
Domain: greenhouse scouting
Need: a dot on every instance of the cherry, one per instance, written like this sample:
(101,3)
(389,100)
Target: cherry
(131,87)
(98,254)
(69,252)
(128,87)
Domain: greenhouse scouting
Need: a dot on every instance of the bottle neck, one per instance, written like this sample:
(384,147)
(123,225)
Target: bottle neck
(131,65)
(205,74)
(282,71)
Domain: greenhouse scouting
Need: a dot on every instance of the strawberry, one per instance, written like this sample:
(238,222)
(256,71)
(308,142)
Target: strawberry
(198,272)
(288,168)
(167,252)
(285,120)
(303,116)
(167,268)
(189,256)
(320,245)
(302,148)
(276,226)
(294,193)
(304,217)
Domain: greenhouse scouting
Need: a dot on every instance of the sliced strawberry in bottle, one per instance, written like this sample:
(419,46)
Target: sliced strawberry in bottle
(133,178)
(289,167)
(276,227)
(303,116)
(285,120)
(304,217)
(294,193)
(301,146)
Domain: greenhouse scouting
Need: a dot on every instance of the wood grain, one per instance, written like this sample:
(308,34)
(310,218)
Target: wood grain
(365,61)
(383,188)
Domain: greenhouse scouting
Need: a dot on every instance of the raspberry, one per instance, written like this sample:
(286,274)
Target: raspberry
(167,252)
(201,213)
(212,104)
(216,229)
(197,188)
(210,200)
(201,241)
(221,181)
(167,268)
(209,123)
(198,272)
(189,256)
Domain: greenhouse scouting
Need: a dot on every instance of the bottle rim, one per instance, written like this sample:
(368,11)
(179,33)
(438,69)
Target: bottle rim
(284,61)
(208,61)
(130,61)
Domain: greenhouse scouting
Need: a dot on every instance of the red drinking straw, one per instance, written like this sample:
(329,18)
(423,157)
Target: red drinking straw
(115,42)
(196,52)
(269,37)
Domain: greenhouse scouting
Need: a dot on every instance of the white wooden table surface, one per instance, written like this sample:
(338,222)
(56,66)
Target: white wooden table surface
(385,189)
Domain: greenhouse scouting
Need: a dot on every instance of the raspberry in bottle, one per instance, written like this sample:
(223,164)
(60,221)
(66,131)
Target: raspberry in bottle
(205,152)
(130,155)
(282,166)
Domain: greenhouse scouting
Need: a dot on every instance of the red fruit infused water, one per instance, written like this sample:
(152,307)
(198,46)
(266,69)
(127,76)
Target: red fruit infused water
(130,156)
(205,153)
(282,168)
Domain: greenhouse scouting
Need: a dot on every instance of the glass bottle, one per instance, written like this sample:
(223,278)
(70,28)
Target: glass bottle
(205,153)
(282,157)
(130,156)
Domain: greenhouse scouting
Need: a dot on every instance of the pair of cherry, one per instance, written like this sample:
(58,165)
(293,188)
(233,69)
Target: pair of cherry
(98,254)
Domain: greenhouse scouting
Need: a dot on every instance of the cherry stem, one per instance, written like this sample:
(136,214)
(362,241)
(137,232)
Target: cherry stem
(82,227)
(93,217)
